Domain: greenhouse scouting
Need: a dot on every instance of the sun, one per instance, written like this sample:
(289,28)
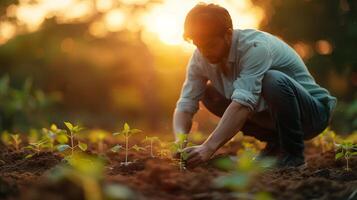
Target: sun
(166,20)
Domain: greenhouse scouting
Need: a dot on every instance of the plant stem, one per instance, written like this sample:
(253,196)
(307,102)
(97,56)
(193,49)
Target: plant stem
(348,168)
(152,155)
(126,150)
(72,142)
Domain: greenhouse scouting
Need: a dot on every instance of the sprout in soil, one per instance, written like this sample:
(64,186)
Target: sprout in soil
(151,140)
(346,149)
(71,133)
(54,134)
(177,147)
(126,133)
(242,171)
(87,172)
(98,137)
(37,147)
(325,140)
(164,149)
(15,141)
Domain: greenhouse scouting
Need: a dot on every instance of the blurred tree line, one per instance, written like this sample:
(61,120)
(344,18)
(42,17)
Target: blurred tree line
(324,33)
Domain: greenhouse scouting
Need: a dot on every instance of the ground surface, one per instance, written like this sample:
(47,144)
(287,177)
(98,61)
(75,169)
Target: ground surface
(155,178)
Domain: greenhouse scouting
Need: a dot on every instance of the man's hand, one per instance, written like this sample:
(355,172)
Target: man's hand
(198,154)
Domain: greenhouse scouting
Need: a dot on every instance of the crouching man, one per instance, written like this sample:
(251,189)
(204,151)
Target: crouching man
(255,83)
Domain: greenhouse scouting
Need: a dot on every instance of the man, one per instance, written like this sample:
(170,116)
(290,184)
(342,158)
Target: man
(255,82)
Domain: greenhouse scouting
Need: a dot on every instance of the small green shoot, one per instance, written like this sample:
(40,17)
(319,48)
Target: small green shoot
(15,141)
(151,141)
(127,132)
(98,137)
(243,170)
(346,149)
(325,140)
(178,146)
(54,134)
(71,133)
(37,147)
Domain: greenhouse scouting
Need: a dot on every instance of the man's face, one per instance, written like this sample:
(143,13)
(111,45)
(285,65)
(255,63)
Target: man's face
(213,47)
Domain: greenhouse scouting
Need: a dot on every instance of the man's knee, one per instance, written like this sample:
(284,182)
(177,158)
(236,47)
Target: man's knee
(214,101)
(275,85)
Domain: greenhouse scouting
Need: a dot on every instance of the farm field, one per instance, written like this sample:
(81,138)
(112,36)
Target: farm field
(53,175)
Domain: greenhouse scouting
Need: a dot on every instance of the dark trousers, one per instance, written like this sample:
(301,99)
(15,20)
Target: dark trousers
(292,117)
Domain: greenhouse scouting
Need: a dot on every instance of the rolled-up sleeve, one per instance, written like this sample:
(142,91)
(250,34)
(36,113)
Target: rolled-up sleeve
(254,63)
(194,86)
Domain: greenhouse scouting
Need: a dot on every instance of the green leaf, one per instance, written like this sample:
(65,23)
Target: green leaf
(82,146)
(29,156)
(354,154)
(339,155)
(53,127)
(69,125)
(62,138)
(184,155)
(138,148)
(133,131)
(62,147)
(225,163)
(126,127)
(116,148)
(182,137)
(116,133)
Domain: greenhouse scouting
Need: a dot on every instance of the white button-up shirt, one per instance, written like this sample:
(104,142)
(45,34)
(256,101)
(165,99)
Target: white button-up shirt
(251,54)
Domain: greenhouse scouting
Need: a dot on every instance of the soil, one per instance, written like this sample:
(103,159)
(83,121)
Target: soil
(323,178)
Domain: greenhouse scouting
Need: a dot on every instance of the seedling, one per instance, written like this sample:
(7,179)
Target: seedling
(243,170)
(325,140)
(71,133)
(87,172)
(151,140)
(54,134)
(127,132)
(37,147)
(178,146)
(346,149)
(98,137)
(15,141)
(164,150)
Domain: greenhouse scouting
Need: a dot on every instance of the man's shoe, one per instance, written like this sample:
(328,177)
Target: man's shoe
(270,150)
(290,160)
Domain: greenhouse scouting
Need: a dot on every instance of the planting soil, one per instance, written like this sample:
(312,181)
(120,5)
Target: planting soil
(160,178)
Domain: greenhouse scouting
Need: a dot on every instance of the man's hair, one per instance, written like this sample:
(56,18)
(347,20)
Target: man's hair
(223,20)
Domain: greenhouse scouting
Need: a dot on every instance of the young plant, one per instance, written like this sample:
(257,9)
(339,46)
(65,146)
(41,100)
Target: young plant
(126,133)
(98,137)
(243,170)
(164,149)
(346,149)
(325,140)
(151,140)
(87,172)
(177,147)
(71,133)
(15,141)
(54,134)
(37,147)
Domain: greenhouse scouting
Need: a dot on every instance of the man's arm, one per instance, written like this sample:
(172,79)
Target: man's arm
(231,122)
(192,91)
(182,122)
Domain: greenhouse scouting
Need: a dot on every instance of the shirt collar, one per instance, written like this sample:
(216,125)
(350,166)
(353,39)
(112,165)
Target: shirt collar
(233,49)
